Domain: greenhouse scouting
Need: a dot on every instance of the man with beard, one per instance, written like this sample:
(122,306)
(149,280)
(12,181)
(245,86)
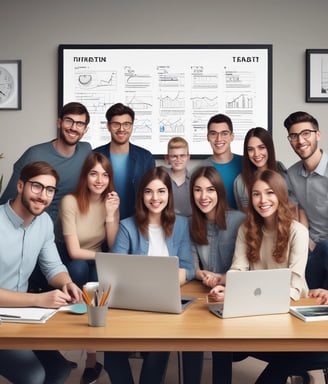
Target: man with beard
(66,154)
(27,238)
(309,181)
(130,162)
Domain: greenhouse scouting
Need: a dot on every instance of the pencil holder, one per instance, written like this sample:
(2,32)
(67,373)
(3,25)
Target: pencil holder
(97,315)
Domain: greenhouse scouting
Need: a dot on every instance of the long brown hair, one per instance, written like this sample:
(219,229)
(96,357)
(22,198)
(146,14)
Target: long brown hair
(82,192)
(198,227)
(142,212)
(255,221)
(248,168)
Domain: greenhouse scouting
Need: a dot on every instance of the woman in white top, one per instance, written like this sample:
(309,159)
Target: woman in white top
(154,230)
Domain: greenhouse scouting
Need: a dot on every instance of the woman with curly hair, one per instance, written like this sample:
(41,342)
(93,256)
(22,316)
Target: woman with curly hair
(270,238)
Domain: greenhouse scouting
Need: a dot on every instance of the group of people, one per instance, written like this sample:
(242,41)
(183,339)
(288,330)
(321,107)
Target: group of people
(231,213)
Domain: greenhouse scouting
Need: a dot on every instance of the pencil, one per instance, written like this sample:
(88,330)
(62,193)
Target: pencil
(86,296)
(104,297)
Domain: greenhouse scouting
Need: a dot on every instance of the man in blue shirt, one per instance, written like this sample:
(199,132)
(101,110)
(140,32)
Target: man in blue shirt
(130,162)
(220,135)
(27,238)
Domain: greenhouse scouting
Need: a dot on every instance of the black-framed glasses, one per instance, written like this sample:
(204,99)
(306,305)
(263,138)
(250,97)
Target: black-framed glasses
(214,134)
(305,134)
(69,122)
(117,125)
(38,188)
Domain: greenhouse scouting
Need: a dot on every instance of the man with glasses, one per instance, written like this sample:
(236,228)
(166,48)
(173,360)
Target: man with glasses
(27,238)
(309,182)
(130,162)
(177,158)
(66,154)
(220,136)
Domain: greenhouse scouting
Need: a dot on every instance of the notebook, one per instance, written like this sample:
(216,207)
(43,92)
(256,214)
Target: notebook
(145,283)
(26,314)
(310,313)
(257,292)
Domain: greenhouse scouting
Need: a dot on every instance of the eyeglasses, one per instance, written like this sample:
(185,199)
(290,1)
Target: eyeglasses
(176,157)
(305,134)
(68,122)
(38,188)
(214,134)
(116,125)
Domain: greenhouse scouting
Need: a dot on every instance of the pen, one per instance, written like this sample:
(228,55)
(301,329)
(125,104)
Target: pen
(10,316)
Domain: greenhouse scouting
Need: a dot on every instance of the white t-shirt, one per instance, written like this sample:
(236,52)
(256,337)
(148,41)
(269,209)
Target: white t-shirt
(157,244)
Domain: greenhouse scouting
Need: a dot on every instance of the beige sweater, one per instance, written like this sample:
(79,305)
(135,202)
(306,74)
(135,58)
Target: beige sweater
(297,251)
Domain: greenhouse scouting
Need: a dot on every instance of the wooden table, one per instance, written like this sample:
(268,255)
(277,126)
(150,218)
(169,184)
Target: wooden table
(194,330)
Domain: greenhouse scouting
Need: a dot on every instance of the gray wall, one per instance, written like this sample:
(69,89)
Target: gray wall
(32,30)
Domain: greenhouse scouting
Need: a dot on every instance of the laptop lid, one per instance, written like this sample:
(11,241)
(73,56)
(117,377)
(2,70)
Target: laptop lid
(256,292)
(146,283)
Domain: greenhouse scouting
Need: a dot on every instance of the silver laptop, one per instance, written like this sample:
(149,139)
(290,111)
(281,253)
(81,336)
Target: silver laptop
(257,292)
(146,283)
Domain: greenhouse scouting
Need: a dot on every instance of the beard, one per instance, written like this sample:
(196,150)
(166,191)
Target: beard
(28,205)
(63,138)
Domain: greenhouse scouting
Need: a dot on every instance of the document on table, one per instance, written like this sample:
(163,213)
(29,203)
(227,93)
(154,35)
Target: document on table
(26,315)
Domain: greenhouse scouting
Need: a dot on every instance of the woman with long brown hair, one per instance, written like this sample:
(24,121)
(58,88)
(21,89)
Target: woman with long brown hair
(155,230)
(270,238)
(88,218)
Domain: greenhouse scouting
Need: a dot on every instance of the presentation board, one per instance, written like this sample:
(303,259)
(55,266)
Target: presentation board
(173,89)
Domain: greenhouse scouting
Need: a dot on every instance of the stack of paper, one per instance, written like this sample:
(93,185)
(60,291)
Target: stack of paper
(26,315)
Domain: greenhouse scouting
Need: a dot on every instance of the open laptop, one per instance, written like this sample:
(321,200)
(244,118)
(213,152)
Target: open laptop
(145,283)
(256,292)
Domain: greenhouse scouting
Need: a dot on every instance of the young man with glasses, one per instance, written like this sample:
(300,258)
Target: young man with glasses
(130,162)
(66,154)
(177,157)
(220,136)
(27,238)
(309,182)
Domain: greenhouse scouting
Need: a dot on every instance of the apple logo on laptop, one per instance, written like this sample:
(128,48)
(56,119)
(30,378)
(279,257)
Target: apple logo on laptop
(257,292)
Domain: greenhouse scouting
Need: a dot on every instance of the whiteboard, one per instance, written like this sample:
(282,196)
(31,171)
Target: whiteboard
(173,89)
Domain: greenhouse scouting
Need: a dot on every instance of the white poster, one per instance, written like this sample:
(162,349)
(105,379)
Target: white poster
(174,90)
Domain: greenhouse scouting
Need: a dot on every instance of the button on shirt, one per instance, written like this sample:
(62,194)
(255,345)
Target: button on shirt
(311,191)
(20,248)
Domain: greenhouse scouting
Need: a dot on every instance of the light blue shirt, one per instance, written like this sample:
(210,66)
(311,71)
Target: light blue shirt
(120,172)
(129,240)
(21,247)
(228,172)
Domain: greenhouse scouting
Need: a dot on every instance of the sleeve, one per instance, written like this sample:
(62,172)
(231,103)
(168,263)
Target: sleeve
(184,250)
(68,215)
(49,259)
(239,260)
(240,192)
(298,255)
(195,256)
(122,242)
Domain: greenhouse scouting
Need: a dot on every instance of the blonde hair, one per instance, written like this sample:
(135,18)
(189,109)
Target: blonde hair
(177,142)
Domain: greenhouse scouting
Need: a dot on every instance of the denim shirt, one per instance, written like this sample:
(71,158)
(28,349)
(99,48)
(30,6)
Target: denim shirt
(130,240)
(217,255)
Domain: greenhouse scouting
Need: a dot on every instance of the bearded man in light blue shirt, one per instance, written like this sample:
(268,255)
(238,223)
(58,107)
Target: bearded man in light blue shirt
(27,238)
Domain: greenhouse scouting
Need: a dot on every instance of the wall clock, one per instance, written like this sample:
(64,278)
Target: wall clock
(10,85)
